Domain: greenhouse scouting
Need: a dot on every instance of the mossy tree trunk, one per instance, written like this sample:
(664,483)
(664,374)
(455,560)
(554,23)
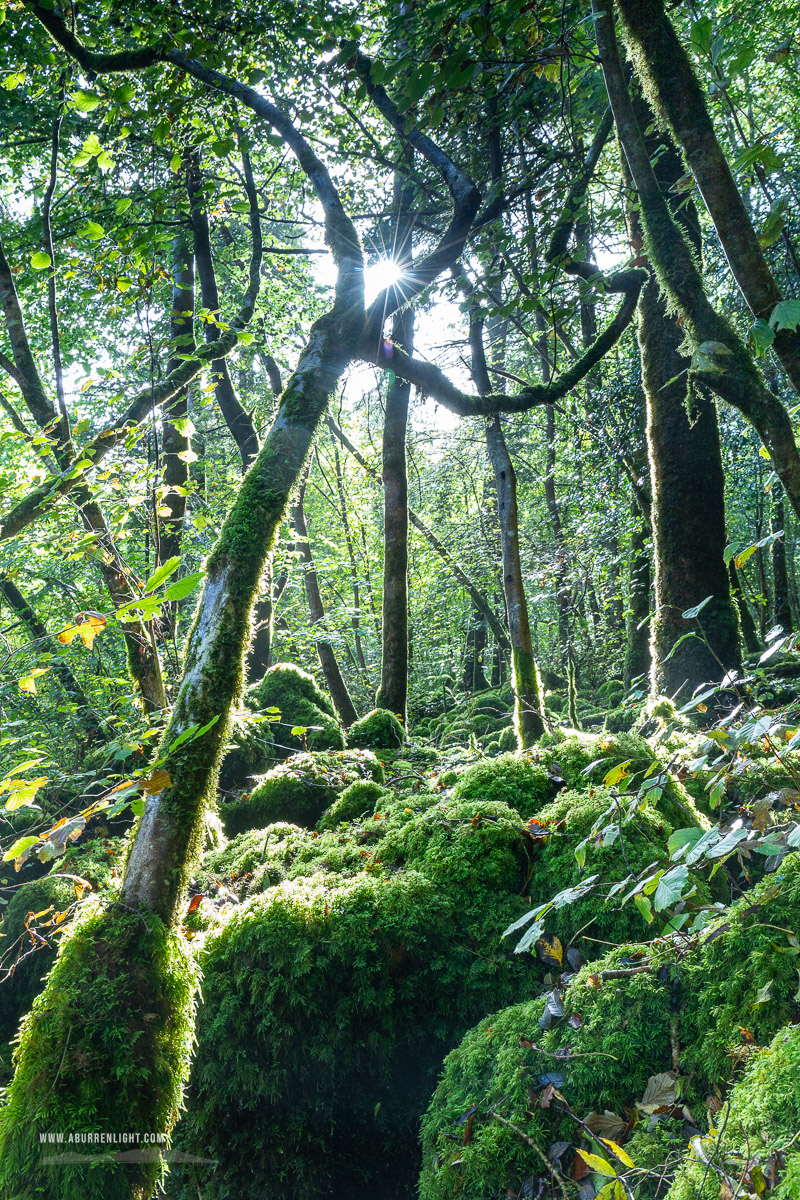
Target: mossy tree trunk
(750,636)
(687,487)
(637,642)
(528,702)
(781,607)
(473,677)
(330,667)
(721,360)
(674,92)
(393,690)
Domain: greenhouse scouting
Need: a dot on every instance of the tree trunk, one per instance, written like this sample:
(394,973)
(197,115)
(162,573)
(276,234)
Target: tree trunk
(637,646)
(236,418)
(393,690)
(674,92)
(721,360)
(330,667)
(688,514)
(174,440)
(781,610)
(529,706)
(473,678)
(750,636)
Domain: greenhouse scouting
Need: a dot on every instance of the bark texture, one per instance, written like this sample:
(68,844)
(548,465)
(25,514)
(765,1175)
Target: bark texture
(327,658)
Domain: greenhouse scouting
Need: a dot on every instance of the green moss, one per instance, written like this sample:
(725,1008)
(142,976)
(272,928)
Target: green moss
(329,1005)
(301,703)
(99,862)
(379,729)
(508,738)
(764,1118)
(251,750)
(514,779)
(615,1033)
(572,817)
(104,1049)
(300,789)
(282,685)
(361,798)
(586,758)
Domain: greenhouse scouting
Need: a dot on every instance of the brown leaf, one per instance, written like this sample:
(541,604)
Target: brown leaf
(546,1098)
(194,903)
(659,1093)
(576,1020)
(579,1169)
(606,1125)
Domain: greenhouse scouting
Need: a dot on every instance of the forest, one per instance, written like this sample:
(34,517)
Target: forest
(399,600)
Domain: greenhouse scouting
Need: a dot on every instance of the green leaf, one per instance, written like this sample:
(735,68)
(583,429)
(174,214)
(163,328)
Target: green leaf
(92,145)
(691,613)
(175,162)
(670,887)
(105,162)
(299,730)
(244,337)
(93,231)
(41,261)
(162,573)
(418,84)
(183,587)
(701,35)
(20,846)
(644,906)
(785,315)
(85,101)
(760,336)
(122,205)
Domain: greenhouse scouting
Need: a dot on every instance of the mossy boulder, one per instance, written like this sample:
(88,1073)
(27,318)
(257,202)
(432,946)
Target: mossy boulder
(99,862)
(251,750)
(300,789)
(630,1017)
(361,798)
(759,1138)
(379,729)
(513,779)
(328,1007)
(301,703)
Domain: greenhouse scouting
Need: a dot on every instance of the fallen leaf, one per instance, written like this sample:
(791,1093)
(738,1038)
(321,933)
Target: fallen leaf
(659,1093)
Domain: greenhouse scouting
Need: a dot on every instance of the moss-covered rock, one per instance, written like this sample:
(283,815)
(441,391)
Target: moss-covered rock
(513,779)
(251,750)
(300,703)
(300,789)
(329,1005)
(361,798)
(759,1139)
(99,863)
(625,1019)
(121,995)
(379,729)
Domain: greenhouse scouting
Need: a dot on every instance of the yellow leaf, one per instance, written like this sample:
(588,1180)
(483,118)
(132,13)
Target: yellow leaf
(22,791)
(28,682)
(596,1163)
(617,773)
(87,627)
(156,783)
(621,1154)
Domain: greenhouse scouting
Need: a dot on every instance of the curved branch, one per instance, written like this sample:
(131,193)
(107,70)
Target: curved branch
(431,380)
(463,192)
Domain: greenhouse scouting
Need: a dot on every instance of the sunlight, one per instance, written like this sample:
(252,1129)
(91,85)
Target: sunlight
(380,275)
